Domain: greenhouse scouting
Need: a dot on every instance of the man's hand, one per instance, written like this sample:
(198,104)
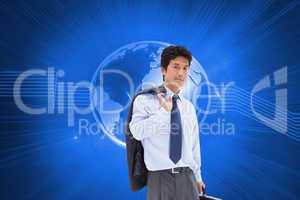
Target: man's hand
(166,104)
(201,186)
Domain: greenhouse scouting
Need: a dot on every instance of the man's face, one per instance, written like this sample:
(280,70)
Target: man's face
(176,73)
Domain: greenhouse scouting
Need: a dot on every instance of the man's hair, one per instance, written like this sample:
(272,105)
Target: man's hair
(172,52)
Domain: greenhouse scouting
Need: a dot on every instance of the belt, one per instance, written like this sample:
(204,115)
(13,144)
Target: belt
(176,170)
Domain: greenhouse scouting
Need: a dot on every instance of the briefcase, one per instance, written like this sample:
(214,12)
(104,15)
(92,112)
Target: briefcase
(204,196)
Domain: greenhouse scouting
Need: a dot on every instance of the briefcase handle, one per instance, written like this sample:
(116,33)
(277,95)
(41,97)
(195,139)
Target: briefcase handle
(204,192)
(204,196)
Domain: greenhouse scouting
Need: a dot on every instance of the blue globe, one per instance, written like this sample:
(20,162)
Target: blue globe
(127,70)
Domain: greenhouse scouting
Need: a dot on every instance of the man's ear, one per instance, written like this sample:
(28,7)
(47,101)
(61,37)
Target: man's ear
(163,70)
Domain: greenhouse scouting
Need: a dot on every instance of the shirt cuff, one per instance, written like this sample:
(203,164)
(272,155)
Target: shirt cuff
(198,178)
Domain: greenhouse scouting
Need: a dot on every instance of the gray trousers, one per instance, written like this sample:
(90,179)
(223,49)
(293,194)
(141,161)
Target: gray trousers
(167,186)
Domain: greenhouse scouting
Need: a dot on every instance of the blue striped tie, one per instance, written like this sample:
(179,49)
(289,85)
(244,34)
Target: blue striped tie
(176,132)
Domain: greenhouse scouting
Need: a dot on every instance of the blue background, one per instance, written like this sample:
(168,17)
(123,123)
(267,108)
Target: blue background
(240,41)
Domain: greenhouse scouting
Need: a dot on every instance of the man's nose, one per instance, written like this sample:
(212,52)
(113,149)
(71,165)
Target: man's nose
(181,72)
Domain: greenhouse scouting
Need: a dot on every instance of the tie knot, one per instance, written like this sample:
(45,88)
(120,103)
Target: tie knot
(175,97)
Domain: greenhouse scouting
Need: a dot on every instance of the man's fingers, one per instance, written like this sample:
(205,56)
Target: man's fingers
(161,99)
(201,187)
(166,103)
(161,96)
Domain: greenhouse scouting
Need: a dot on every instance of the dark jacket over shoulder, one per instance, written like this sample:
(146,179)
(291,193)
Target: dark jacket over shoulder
(137,170)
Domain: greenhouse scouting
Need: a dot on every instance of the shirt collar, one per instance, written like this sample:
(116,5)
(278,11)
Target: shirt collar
(171,93)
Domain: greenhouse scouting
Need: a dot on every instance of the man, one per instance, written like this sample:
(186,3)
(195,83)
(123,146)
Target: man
(167,126)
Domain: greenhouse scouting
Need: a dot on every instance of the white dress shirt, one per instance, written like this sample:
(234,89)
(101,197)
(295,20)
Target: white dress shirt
(150,124)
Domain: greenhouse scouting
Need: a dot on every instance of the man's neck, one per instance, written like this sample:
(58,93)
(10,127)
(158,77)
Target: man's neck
(173,89)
